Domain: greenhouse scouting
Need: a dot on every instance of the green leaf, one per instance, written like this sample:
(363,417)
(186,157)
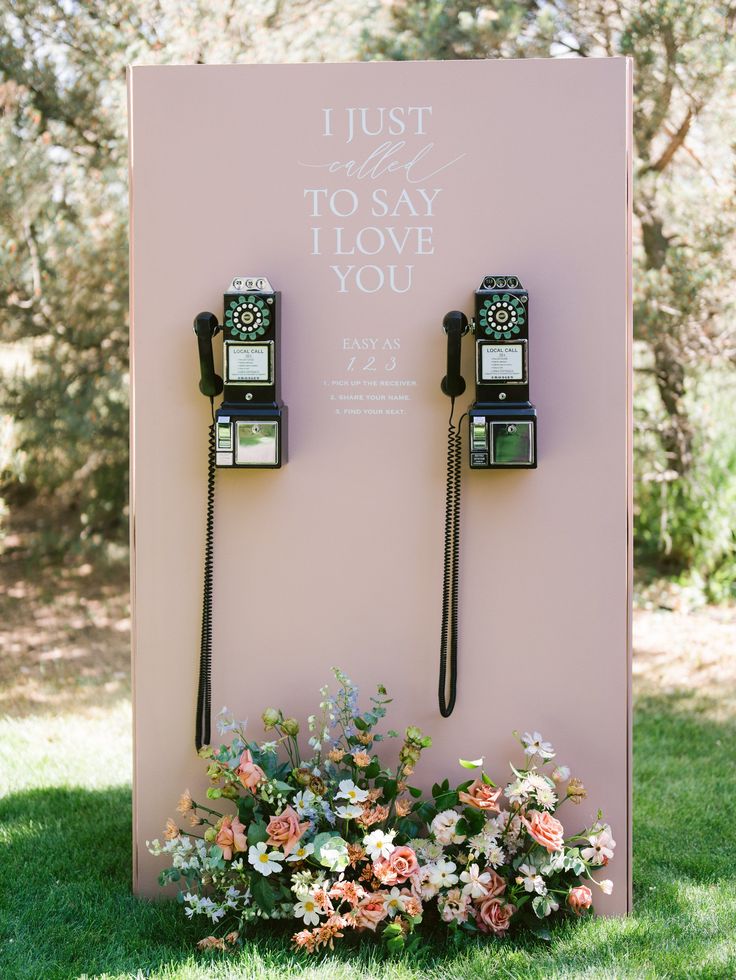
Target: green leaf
(541,933)
(396,944)
(362,725)
(246,806)
(282,787)
(392,930)
(257,832)
(216,852)
(461,827)
(334,854)
(447,800)
(262,892)
(389,789)
(471,763)
(321,839)
(487,780)
(415,792)
(373,769)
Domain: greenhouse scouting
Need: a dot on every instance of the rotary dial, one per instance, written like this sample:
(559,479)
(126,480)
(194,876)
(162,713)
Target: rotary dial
(247,317)
(502,316)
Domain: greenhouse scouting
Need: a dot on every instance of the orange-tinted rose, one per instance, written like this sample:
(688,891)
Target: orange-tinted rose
(496,886)
(398,867)
(481,796)
(285,830)
(231,837)
(545,829)
(249,773)
(371,911)
(494,916)
(580,898)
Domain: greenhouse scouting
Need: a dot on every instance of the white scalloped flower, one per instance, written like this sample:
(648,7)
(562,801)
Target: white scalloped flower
(263,860)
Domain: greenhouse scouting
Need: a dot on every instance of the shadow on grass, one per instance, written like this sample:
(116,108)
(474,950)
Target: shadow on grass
(66,908)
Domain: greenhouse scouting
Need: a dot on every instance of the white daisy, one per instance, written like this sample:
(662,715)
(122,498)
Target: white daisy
(352,793)
(475,881)
(495,856)
(534,744)
(517,792)
(301,853)
(442,874)
(379,844)
(263,860)
(306,908)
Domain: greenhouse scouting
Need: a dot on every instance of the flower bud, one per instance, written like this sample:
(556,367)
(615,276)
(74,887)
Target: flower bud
(302,776)
(291,726)
(210,835)
(560,774)
(413,734)
(271,718)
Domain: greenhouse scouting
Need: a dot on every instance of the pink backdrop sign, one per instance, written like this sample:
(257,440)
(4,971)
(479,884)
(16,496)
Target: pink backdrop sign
(375,197)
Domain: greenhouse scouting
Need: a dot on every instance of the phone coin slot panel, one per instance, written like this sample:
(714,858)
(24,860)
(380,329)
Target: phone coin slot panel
(257,443)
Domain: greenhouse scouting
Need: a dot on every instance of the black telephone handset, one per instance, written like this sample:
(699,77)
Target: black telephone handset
(502,423)
(248,429)
(206,327)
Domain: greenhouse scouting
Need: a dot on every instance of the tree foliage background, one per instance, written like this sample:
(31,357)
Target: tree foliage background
(63,228)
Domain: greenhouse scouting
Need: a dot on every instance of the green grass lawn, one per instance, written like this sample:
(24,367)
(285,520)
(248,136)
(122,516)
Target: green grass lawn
(65,842)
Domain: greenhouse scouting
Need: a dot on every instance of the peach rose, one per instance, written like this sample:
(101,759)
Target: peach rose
(545,829)
(249,773)
(580,898)
(481,796)
(285,830)
(231,837)
(398,867)
(494,916)
(370,912)
(496,886)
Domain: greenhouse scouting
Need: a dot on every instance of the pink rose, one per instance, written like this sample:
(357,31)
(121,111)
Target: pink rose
(371,911)
(398,867)
(285,830)
(231,837)
(545,829)
(249,773)
(481,796)
(496,886)
(494,916)
(580,898)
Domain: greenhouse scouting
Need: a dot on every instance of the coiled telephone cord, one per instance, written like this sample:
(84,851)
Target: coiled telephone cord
(450,585)
(204,695)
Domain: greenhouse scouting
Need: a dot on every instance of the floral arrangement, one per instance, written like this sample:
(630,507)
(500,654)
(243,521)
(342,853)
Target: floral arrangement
(343,844)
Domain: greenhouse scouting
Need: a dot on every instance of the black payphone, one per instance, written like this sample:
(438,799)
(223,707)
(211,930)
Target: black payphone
(248,429)
(502,427)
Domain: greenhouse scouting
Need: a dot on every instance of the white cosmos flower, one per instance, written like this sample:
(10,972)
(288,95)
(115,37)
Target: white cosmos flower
(306,908)
(534,744)
(475,881)
(531,880)
(601,847)
(394,902)
(443,874)
(263,860)
(348,812)
(303,802)
(352,793)
(443,827)
(301,853)
(379,844)
(427,887)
